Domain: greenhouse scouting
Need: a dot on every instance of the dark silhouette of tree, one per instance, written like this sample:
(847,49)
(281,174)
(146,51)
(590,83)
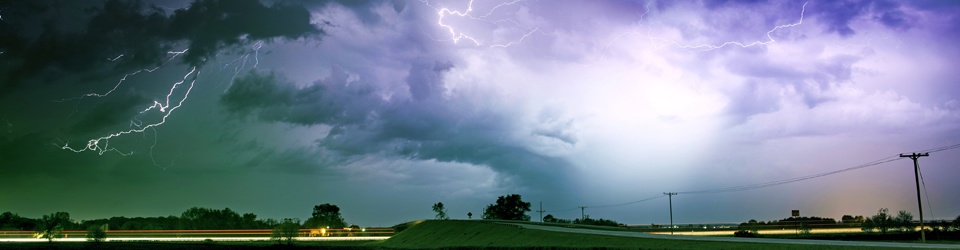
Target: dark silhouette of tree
(510,207)
(325,215)
(441,211)
(549,218)
(11,221)
(882,222)
(52,225)
(956,223)
(206,218)
(469,215)
(286,231)
(904,222)
(96,233)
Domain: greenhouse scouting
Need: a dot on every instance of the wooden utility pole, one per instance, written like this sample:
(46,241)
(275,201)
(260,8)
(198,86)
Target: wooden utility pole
(916,176)
(541,211)
(671,210)
(582,214)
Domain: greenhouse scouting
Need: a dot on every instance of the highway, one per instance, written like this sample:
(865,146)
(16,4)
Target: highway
(736,239)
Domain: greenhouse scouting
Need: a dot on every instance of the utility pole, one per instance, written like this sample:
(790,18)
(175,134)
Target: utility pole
(541,211)
(916,176)
(582,215)
(671,210)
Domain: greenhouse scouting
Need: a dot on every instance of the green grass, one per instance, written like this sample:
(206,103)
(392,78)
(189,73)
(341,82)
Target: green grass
(478,234)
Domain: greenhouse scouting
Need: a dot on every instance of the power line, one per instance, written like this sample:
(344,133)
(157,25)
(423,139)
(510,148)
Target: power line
(790,180)
(773,183)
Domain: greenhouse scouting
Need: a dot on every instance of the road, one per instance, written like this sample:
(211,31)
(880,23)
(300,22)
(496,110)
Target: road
(736,239)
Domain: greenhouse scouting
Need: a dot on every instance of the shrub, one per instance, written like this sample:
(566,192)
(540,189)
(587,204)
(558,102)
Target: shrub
(96,233)
(745,234)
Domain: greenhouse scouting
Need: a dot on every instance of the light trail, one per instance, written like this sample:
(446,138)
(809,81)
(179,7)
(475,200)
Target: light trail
(196,239)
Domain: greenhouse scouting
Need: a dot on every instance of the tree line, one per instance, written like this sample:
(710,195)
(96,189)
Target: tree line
(882,222)
(197,218)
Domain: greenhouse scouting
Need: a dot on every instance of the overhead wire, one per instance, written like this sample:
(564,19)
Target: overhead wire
(781,182)
(790,180)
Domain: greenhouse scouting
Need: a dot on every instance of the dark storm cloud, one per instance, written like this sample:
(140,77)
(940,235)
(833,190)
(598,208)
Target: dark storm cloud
(109,113)
(426,126)
(142,35)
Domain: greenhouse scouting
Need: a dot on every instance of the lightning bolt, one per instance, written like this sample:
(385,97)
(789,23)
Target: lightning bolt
(173,100)
(453,34)
(456,36)
(101,144)
(770,39)
(124,78)
(115,58)
(660,43)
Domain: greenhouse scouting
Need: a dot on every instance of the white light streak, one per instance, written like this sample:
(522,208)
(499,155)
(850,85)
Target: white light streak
(191,239)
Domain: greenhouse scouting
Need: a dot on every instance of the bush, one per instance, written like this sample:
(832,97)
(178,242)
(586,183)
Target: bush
(96,233)
(286,231)
(745,234)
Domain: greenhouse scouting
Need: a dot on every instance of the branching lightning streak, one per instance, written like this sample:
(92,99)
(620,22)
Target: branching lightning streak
(124,78)
(518,41)
(457,36)
(102,144)
(115,58)
(241,62)
(453,34)
(707,47)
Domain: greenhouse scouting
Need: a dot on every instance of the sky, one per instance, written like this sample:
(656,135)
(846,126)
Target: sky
(384,108)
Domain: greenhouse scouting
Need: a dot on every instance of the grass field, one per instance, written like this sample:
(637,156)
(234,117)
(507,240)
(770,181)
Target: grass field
(450,234)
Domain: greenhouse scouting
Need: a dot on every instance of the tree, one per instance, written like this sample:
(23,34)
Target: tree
(469,215)
(510,207)
(904,221)
(549,219)
(441,212)
(882,221)
(956,223)
(52,225)
(97,233)
(325,215)
(286,231)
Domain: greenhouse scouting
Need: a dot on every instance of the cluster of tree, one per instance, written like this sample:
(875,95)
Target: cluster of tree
(52,226)
(510,207)
(884,222)
(850,219)
(194,218)
(12,221)
(792,222)
(585,221)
